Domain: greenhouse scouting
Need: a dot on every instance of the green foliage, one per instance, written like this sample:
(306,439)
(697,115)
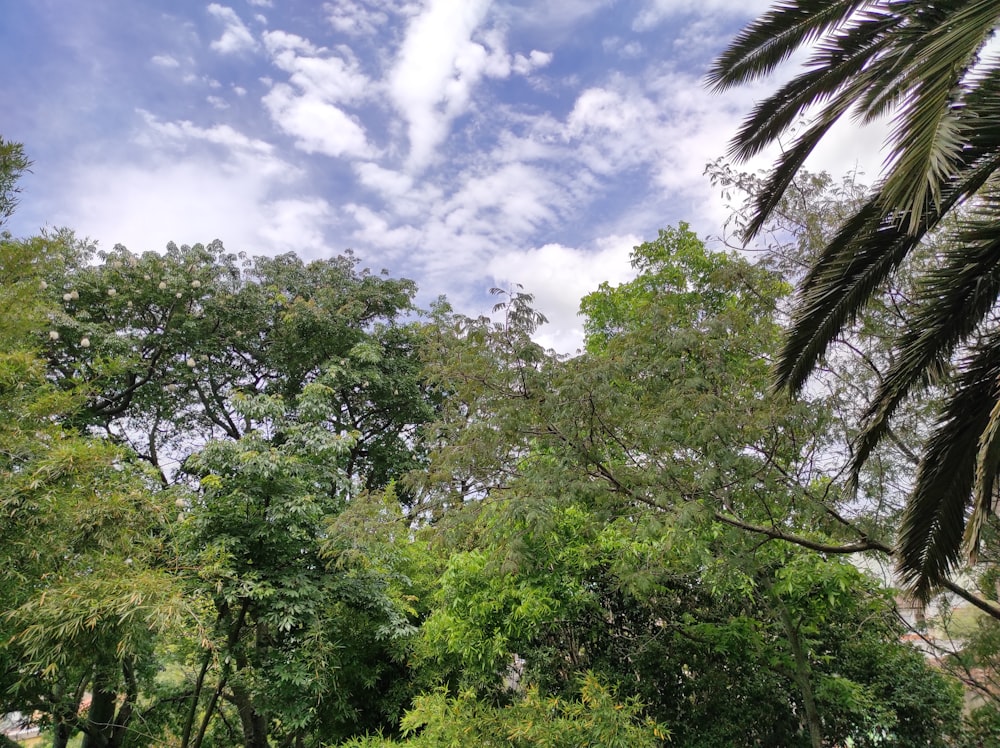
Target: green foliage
(82,557)
(595,717)
(257,501)
(606,503)
(13,164)
(680,286)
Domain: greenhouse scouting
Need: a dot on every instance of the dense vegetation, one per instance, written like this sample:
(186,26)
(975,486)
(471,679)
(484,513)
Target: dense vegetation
(253,501)
(261,502)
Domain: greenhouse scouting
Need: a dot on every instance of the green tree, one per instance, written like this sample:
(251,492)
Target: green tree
(612,515)
(269,396)
(925,65)
(83,567)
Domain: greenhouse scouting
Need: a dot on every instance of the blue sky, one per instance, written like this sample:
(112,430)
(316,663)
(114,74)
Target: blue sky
(461,143)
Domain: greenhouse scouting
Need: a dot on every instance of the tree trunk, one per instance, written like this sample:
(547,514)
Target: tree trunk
(803,674)
(101,717)
(60,735)
(254,725)
(124,717)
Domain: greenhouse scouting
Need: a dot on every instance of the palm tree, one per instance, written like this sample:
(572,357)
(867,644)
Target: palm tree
(928,67)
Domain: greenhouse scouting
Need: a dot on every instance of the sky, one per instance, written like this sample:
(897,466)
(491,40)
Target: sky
(465,144)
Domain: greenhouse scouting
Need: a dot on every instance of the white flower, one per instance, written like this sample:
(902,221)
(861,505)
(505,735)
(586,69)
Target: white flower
(74,295)
(85,342)
(178,294)
(146,277)
(111,292)
(196,284)
(43,285)
(180,503)
(171,388)
(163,285)
(116,264)
(53,335)
(67,297)
(191,363)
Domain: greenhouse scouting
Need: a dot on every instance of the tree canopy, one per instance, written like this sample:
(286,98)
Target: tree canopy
(261,502)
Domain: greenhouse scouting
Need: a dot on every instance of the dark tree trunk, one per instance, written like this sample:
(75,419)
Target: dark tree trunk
(101,718)
(254,725)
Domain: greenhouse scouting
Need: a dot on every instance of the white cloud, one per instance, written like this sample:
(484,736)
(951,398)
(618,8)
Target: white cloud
(407,199)
(354,18)
(617,127)
(217,102)
(375,230)
(261,3)
(389,184)
(559,277)
(317,127)
(187,183)
(627,50)
(524,65)
(316,72)
(297,225)
(165,61)
(236,37)
(277,42)
(185,131)
(656,12)
(438,66)
(556,17)
(309,107)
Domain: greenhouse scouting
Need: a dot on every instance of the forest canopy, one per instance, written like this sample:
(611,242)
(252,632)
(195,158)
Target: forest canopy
(259,501)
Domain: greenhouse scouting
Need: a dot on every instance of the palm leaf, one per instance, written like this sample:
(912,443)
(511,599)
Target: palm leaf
(932,526)
(767,42)
(840,72)
(984,486)
(865,251)
(950,304)
(927,141)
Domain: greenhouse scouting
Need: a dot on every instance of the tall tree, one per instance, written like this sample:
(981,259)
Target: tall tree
(268,395)
(84,574)
(928,66)
(612,513)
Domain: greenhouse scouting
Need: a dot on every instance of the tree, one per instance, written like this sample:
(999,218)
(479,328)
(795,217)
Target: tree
(83,567)
(610,514)
(269,396)
(925,65)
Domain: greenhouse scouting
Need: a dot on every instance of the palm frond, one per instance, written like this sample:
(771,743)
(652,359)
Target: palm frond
(922,64)
(865,251)
(928,137)
(984,485)
(767,42)
(933,523)
(782,175)
(838,73)
(950,303)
